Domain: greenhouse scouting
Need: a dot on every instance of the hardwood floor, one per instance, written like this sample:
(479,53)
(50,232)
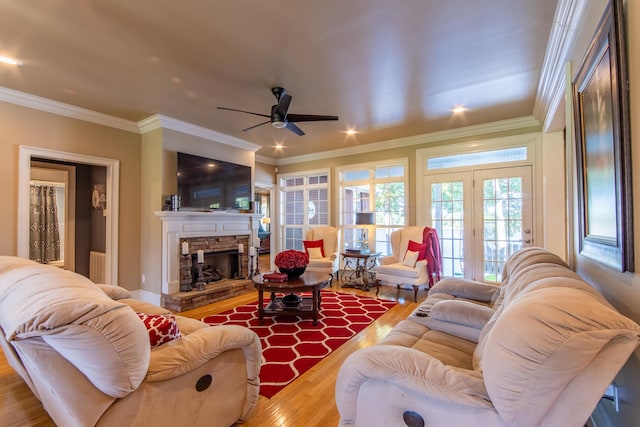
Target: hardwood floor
(308,401)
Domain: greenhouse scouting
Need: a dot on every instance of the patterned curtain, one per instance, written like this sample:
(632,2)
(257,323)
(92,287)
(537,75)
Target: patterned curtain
(44,236)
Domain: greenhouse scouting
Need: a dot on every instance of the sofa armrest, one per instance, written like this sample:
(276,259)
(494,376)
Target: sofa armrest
(459,318)
(462,312)
(410,369)
(144,307)
(465,288)
(187,353)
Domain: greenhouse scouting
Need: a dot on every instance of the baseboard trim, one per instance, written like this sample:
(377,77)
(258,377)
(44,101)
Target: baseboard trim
(146,296)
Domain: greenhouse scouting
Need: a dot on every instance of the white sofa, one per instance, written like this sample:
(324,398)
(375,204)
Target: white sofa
(546,346)
(86,355)
(392,270)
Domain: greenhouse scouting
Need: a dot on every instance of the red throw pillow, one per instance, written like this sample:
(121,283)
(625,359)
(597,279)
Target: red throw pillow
(162,328)
(421,248)
(314,244)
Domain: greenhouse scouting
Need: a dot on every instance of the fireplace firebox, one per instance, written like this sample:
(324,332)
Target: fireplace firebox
(217,266)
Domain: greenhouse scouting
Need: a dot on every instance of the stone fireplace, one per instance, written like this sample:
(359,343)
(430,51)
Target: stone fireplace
(219,235)
(222,260)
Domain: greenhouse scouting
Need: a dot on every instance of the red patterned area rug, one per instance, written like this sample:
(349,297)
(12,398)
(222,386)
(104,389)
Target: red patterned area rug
(291,345)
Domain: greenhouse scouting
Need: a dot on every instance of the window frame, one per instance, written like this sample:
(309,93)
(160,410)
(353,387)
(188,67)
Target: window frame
(306,187)
(372,182)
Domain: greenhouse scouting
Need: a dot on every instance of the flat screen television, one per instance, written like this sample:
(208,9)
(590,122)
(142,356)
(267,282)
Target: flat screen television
(213,184)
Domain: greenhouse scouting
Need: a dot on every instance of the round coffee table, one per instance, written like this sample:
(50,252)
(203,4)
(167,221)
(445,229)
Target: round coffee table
(310,281)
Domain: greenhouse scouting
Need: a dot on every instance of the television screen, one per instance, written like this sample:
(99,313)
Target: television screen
(213,184)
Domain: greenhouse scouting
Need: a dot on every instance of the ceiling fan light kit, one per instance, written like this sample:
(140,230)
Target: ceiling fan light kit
(280,117)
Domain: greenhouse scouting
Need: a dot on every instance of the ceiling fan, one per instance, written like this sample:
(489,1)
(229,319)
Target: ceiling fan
(280,116)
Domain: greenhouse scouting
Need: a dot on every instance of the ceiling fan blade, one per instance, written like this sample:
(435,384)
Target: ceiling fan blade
(309,118)
(255,126)
(295,129)
(243,111)
(283,105)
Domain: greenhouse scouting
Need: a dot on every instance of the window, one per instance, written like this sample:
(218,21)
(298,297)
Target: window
(457,160)
(304,203)
(380,188)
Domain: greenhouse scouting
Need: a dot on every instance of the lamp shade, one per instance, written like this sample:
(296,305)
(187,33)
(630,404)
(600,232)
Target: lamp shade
(365,218)
(266,220)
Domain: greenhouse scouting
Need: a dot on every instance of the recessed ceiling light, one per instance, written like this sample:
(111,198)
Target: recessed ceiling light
(458,109)
(351,131)
(10,61)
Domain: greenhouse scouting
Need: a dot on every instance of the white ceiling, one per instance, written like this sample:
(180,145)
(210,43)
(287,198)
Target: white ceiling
(387,69)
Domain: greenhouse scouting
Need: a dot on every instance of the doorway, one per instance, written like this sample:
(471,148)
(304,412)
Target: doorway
(482,217)
(110,202)
(263,200)
(58,179)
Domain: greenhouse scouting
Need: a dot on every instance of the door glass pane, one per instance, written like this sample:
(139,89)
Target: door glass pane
(447,218)
(502,215)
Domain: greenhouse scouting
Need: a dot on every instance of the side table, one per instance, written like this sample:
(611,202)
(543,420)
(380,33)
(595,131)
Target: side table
(358,266)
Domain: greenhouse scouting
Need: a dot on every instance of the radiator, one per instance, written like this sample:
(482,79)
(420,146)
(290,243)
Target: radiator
(96,266)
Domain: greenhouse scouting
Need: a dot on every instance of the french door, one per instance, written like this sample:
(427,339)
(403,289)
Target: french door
(482,217)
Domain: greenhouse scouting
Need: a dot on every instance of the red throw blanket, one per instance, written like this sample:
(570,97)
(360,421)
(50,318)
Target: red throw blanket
(433,254)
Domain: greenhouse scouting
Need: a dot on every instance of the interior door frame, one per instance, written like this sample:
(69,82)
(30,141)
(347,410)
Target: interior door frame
(272,217)
(111,212)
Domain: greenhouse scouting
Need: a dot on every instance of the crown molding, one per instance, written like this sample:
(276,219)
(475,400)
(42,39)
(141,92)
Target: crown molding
(60,108)
(266,160)
(158,121)
(551,88)
(150,123)
(427,138)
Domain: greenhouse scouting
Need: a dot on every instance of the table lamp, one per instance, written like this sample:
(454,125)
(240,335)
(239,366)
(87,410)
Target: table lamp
(266,221)
(366,219)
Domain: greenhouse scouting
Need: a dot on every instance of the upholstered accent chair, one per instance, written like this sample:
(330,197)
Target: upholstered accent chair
(322,244)
(397,268)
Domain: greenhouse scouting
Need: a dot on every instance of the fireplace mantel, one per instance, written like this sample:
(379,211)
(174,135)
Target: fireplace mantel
(187,224)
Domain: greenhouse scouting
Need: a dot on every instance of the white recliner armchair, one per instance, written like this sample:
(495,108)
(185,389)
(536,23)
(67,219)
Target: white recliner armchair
(87,356)
(326,259)
(397,269)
